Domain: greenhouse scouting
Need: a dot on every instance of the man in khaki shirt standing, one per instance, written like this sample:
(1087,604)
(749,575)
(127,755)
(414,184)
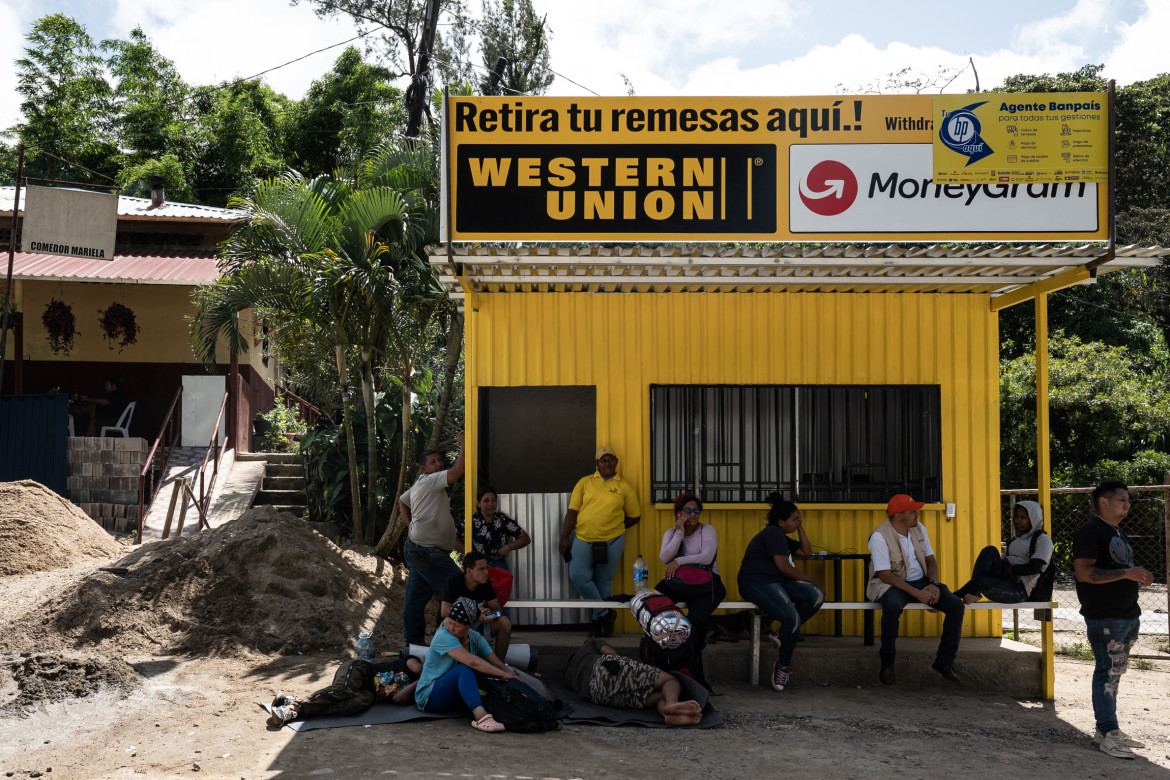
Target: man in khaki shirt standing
(426,508)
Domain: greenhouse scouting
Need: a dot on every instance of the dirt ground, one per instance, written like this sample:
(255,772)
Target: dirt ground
(198,717)
(156,669)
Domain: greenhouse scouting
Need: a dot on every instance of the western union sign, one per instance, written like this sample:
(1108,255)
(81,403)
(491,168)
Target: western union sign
(729,169)
(676,188)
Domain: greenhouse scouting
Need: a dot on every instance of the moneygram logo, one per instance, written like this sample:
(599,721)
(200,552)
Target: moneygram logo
(829,188)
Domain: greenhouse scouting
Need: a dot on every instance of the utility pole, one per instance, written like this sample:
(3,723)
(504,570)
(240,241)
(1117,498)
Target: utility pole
(417,97)
(11,261)
(493,85)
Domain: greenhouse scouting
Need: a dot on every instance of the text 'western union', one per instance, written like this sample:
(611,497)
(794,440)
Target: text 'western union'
(625,187)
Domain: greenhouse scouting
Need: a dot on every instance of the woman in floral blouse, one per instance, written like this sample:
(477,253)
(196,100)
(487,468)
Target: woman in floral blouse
(494,533)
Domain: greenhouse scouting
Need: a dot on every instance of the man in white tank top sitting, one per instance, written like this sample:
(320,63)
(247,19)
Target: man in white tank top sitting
(903,569)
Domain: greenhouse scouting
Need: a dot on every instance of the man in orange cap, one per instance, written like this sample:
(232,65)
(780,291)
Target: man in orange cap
(903,569)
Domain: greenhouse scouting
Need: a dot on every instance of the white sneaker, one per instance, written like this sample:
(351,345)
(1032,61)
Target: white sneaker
(780,677)
(1129,741)
(1113,744)
(281,715)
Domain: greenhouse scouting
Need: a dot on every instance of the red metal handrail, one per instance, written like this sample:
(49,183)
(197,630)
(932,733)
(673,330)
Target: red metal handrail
(150,472)
(205,491)
(308,412)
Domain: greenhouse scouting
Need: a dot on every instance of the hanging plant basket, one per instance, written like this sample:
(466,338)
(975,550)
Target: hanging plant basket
(61,325)
(119,326)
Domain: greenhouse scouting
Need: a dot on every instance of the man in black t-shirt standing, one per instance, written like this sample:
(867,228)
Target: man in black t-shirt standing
(475,583)
(1107,587)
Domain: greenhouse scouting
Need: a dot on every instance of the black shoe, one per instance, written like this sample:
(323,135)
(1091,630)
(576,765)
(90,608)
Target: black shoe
(946,670)
(886,675)
(608,622)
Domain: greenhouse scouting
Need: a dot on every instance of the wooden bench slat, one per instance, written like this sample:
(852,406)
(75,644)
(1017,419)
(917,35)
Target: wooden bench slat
(863,605)
(757,618)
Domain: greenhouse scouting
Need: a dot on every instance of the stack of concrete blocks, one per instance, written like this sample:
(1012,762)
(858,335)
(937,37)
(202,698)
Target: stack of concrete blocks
(103,479)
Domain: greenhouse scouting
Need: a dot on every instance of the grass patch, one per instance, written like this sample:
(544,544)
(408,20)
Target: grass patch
(1144,664)
(1019,636)
(1078,650)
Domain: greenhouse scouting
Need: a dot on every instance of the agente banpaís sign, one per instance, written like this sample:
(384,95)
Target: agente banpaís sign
(1022,138)
(723,169)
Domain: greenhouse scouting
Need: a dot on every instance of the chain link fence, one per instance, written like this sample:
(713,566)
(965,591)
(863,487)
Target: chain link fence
(1146,527)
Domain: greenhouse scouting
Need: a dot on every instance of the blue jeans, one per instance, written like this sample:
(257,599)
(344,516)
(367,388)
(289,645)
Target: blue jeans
(594,582)
(989,579)
(456,687)
(430,568)
(791,602)
(893,601)
(699,608)
(1111,640)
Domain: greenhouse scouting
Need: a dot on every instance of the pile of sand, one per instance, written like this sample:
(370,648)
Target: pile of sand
(40,531)
(34,678)
(266,582)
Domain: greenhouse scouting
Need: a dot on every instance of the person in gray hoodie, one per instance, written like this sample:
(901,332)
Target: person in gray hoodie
(1009,579)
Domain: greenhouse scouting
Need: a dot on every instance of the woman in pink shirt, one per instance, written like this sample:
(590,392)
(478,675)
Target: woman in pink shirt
(690,542)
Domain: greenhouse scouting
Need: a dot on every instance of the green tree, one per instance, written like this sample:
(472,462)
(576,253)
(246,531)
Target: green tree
(150,100)
(507,28)
(8,161)
(344,115)
(307,256)
(1118,308)
(1103,408)
(66,102)
(400,23)
(238,139)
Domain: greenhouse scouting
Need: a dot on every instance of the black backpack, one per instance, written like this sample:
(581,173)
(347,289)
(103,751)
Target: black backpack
(1042,590)
(519,707)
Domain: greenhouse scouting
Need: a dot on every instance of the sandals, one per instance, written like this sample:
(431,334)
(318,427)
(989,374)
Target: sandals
(487,723)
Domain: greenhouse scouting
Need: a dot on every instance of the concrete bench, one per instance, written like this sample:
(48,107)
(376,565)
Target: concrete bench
(868,607)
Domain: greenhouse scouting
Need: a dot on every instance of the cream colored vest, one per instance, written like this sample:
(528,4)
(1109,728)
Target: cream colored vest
(875,587)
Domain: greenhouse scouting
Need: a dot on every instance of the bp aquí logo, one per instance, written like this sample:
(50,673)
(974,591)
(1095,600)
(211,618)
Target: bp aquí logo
(960,132)
(829,188)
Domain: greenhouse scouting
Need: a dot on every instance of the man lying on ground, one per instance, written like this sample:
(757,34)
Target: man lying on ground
(357,685)
(599,674)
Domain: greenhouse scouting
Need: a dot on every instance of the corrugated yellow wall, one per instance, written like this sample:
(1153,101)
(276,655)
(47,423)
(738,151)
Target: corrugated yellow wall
(623,343)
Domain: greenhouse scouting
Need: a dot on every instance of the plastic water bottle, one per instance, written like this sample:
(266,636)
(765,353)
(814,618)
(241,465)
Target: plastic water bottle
(641,574)
(363,648)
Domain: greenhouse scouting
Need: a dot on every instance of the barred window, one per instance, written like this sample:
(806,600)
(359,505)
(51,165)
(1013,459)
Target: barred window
(813,443)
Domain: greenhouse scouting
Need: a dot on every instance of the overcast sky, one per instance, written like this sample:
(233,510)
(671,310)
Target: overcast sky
(665,47)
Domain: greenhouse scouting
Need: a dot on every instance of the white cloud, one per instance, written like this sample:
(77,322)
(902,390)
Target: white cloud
(656,43)
(215,40)
(1140,53)
(1069,33)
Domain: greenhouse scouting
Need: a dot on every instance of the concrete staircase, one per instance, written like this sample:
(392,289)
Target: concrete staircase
(283,487)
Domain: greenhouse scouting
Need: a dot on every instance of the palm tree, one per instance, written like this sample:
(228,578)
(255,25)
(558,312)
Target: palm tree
(312,255)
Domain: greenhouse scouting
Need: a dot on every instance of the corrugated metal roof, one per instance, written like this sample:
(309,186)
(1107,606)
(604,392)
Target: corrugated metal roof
(982,269)
(141,208)
(189,268)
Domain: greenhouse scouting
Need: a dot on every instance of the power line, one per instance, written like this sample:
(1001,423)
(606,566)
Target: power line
(484,34)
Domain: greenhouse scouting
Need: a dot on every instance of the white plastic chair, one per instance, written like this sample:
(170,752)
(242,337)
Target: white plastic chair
(123,426)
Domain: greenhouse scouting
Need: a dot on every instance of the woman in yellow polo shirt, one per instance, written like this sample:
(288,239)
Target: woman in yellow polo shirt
(602,507)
